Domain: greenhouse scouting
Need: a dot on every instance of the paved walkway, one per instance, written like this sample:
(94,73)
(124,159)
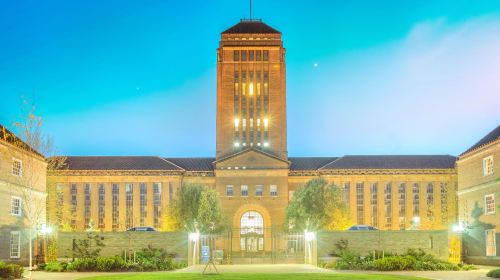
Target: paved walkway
(479,274)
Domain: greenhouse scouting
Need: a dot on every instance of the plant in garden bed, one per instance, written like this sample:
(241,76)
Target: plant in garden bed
(8,271)
(495,273)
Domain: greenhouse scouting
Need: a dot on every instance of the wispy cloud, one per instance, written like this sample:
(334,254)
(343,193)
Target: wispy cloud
(436,90)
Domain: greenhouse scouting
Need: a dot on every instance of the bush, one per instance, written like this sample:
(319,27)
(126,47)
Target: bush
(495,273)
(55,267)
(11,271)
(394,263)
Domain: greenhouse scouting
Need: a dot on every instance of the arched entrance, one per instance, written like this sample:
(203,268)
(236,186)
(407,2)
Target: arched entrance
(251,232)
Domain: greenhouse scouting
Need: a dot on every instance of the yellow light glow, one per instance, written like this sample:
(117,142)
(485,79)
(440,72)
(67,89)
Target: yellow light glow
(266,144)
(236,122)
(266,122)
(250,89)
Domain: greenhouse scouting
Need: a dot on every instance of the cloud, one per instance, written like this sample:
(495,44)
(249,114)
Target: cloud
(437,90)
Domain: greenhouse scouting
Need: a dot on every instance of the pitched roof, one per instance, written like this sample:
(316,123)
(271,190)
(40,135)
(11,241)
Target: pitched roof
(490,137)
(251,27)
(309,163)
(194,164)
(119,163)
(9,137)
(393,162)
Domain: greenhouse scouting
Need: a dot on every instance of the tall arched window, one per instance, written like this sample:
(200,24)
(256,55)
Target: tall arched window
(252,222)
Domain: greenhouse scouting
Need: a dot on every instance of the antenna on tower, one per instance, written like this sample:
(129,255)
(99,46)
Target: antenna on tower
(250,9)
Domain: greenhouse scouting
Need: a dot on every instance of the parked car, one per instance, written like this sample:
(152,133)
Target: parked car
(141,229)
(362,227)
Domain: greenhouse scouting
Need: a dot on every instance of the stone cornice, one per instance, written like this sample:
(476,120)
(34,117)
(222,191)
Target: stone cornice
(387,171)
(478,150)
(114,173)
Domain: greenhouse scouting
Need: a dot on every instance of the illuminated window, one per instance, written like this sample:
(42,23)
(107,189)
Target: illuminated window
(244,190)
(488,166)
(236,55)
(250,89)
(236,124)
(17,167)
(273,190)
(258,190)
(489,204)
(251,222)
(266,124)
(229,190)
(15,206)
(244,124)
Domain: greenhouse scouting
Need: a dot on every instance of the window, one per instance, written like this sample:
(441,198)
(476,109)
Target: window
(444,203)
(101,204)
(15,244)
(489,204)
(87,202)
(129,205)
(359,203)
(115,203)
(273,189)
(15,206)
(416,200)
(374,205)
(244,190)
(488,166)
(143,192)
(252,222)
(265,55)
(251,55)
(17,167)
(258,190)
(388,205)
(243,55)
(258,55)
(491,247)
(236,55)
(229,190)
(402,207)
(156,204)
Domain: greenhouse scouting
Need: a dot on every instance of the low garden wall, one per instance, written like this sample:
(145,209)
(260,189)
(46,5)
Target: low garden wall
(117,243)
(365,242)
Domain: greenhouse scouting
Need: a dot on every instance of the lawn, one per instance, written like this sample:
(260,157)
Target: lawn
(252,276)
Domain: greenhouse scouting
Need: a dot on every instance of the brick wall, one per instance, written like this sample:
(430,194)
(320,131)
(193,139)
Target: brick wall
(118,242)
(365,242)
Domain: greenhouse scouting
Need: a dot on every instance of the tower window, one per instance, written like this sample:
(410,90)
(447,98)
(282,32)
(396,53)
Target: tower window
(243,55)
(265,55)
(258,55)
(251,55)
(236,55)
(244,190)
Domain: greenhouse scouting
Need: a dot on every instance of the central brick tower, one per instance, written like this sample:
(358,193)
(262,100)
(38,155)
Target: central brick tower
(251,90)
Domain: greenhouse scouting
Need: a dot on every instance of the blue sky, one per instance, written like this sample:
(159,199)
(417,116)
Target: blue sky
(138,77)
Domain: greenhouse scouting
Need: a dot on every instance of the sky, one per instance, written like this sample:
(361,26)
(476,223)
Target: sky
(363,77)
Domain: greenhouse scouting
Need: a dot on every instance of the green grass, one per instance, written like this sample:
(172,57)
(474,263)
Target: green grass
(252,276)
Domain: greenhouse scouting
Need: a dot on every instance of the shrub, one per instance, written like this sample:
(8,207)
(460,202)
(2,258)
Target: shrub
(495,273)
(394,263)
(54,267)
(11,271)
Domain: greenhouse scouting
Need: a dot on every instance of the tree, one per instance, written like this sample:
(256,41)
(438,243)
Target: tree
(196,208)
(317,206)
(32,148)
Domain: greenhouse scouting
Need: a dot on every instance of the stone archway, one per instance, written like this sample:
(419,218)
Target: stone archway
(266,230)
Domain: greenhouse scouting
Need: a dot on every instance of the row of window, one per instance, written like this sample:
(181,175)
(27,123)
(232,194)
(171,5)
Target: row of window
(115,202)
(251,55)
(401,202)
(259,190)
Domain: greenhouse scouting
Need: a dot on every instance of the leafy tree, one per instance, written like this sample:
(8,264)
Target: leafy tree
(89,247)
(316,206)
(195,208)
